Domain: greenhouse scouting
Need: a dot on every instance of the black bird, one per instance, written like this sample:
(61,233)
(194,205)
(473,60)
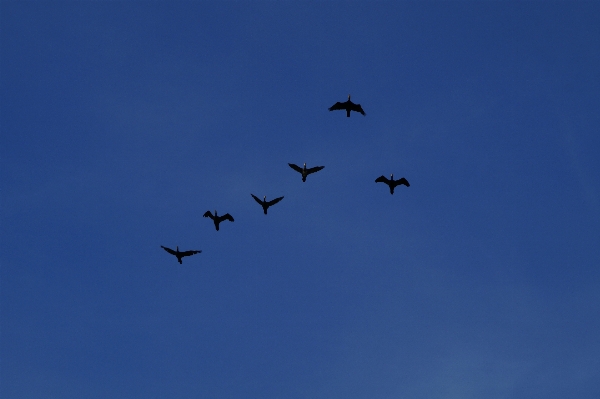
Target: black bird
(305,172)
(178,254)
(391,182)
(266,204)
(218,219)
(348,106)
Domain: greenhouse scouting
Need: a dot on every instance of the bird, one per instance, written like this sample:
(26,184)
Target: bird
(178,254)
(218,219)
(305,172)
(391,182)
(348,106)
(266,204)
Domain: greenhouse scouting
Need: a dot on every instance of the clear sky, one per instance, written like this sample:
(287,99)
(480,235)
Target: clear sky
(122,123)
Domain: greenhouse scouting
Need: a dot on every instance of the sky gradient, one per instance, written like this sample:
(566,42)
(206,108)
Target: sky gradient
(122,123)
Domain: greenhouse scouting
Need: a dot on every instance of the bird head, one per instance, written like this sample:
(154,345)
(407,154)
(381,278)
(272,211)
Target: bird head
(391,176)
(215,213)
(264,197)
(177,248)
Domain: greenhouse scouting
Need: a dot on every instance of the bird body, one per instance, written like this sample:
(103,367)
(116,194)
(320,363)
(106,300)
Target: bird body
(391,182)
(178,254)
(304,171)
(348,106)
(264,203)
(218,219)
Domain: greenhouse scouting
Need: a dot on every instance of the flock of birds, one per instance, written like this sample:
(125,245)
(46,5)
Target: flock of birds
(348,106)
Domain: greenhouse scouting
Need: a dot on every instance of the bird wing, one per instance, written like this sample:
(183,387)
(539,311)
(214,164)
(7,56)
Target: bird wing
(357,108)
(257,199)
(382,179)
(337,106)
(189,253)
(169,250)
(295,167)
(313,170)
(274,201)
(403,181)
(208,215)
(226,217)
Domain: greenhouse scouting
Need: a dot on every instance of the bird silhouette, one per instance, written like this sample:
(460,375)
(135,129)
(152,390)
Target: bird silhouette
(266,204)
(178,254)
(305,172)
(218,219)
(391,182)
(348,106)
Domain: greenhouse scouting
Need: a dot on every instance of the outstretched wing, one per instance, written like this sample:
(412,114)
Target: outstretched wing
(382,179)
(337,106)
(256,199)
(295,167)
(313,170)
(209,215)
(189,253)
(226,217)
(403,181)
(357,108)
(273,202)
(169,250)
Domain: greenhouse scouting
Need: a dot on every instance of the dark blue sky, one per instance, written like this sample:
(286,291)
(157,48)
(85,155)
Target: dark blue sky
(122,123)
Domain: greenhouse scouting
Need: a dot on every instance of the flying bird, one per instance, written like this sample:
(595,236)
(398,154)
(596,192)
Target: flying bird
(266,204)
(348,106)
(218,219)
(178,254)
(305,172)
(391,182)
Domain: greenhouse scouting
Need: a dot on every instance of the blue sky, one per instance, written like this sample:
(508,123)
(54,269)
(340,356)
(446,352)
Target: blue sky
(122,123)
